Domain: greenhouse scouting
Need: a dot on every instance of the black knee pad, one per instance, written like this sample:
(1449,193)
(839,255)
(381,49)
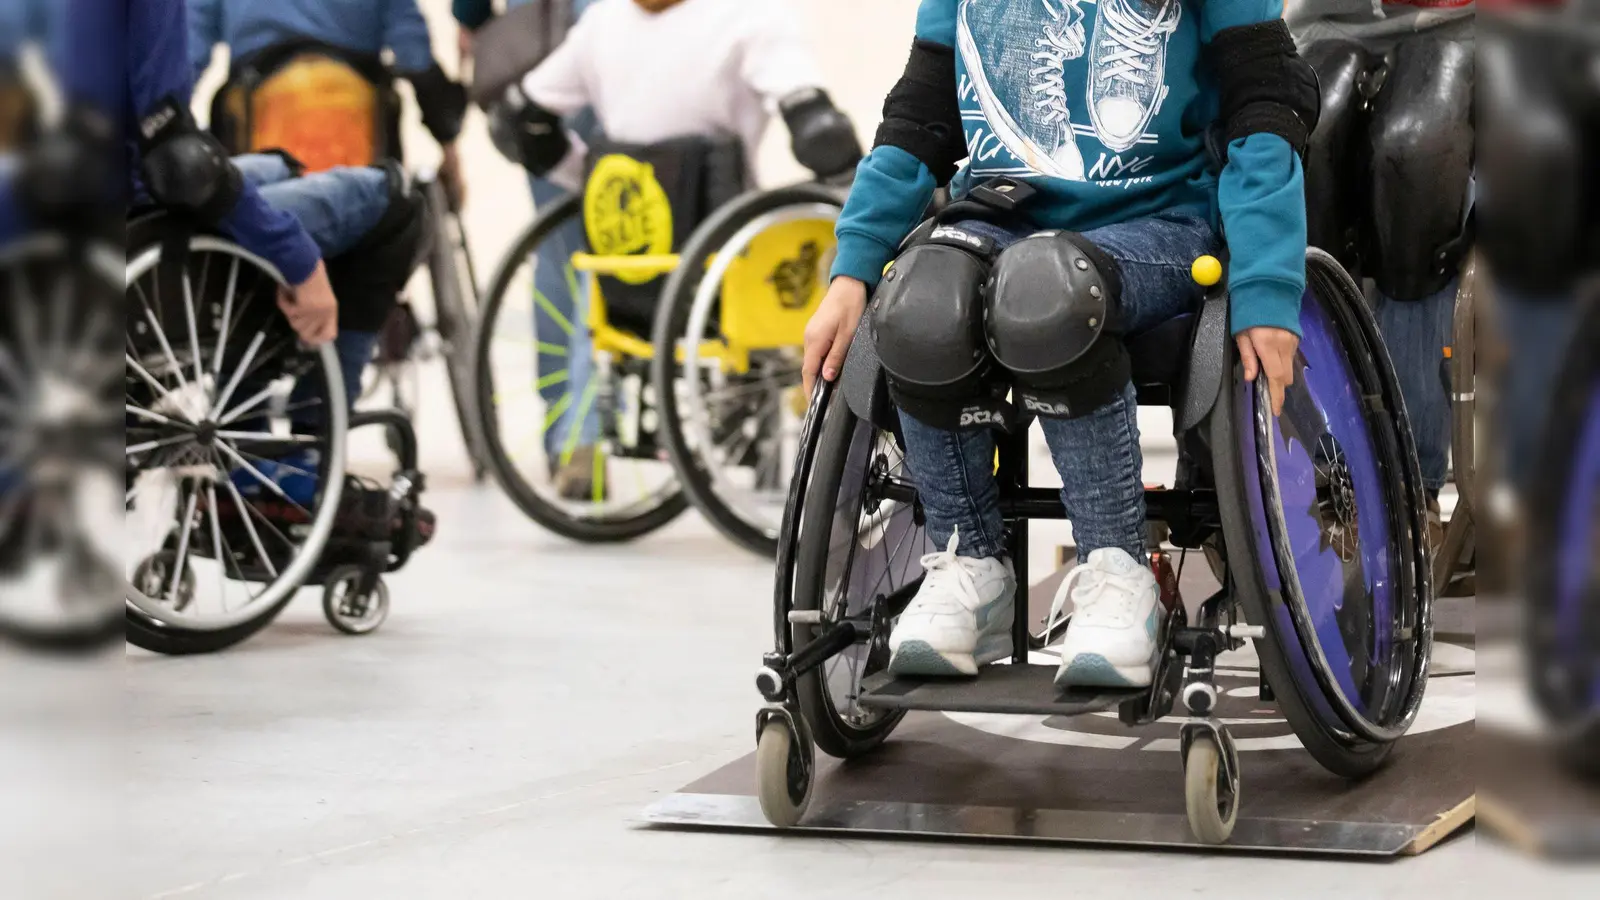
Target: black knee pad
(1422,145)
(369,277)
(1053,323)
(1333,167)
(928,321)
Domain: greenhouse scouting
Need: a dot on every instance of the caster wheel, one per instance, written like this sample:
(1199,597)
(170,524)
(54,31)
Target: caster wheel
(349,611)
(153,578)
(1211,796)
(783,773)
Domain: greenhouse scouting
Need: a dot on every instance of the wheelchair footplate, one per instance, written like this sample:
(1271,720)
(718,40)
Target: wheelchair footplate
(1012,689)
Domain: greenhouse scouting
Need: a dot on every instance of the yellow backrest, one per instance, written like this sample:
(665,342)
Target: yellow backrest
(772,289)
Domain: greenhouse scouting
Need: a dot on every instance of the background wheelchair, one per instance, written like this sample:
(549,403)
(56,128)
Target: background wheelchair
(235,457)
(1316,519)
(597,437)
(60,433)
(329,107)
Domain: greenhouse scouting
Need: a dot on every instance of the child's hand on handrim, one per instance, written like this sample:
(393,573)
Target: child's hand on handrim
(831,328)
(1269,350)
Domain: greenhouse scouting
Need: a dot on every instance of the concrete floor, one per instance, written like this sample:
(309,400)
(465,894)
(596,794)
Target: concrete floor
(499,736)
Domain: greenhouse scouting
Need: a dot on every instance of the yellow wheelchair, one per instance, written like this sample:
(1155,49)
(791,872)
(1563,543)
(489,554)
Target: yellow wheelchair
(639,348)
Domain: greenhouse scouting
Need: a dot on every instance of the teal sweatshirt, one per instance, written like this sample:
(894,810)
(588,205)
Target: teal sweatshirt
(1103,108)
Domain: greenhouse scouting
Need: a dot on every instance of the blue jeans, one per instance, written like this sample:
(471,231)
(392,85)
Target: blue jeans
(1098,454)
(561,327)
(1416,333)
(337,208)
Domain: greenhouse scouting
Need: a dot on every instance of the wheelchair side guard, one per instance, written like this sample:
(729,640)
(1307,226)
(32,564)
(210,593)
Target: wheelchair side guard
(1208,361)
(774,285)
(862,380)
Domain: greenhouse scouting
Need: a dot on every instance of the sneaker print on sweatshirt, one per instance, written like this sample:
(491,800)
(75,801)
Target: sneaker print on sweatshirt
(1063,89)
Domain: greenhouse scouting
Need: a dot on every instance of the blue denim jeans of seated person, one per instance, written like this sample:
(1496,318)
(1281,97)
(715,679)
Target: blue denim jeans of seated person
(338,208)
(1416,333)
(1097,455)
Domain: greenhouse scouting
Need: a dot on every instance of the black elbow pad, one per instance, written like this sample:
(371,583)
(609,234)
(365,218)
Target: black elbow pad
(1266,88)
(527,133)
(185,168)
(822,136)
(923,113)
(443,103)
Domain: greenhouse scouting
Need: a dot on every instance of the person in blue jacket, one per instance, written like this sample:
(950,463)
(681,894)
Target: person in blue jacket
(1101,111)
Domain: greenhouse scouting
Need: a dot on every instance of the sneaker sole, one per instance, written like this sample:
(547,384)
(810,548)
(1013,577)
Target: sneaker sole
(1094,670)
(919,658)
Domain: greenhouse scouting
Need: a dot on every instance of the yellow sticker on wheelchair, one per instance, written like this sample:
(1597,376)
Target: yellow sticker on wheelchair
(771,290)
(626,212)
(321,110)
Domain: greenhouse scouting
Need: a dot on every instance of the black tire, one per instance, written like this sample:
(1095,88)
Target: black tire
(829,500)
(148,634)
(455,310)
(587,530)
(672,321)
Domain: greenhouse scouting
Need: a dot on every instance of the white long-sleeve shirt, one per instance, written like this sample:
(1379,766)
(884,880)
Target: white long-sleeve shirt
(698,68)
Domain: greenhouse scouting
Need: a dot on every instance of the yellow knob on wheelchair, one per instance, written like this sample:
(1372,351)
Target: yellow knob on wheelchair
(1206,271)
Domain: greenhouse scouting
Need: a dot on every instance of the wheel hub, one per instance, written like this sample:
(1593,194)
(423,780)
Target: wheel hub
(1336,512)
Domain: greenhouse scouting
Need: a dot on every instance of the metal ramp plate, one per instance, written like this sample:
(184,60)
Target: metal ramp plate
(1004,689)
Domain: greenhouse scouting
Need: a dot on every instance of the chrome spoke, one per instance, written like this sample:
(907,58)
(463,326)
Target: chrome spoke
(227,318)
(147,446)
(216,546)
(183,544)
(262,437)
(161,337)
(250,528)
(256,474)
(142,413)
(239,373)
(194,331)
(233,415)
(149,379)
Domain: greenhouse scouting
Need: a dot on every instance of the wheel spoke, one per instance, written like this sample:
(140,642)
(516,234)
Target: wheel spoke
(260,397)
(147,446)
(158,387)
(256,474)
(227,318)
(24,309)
(262,437)
(142,413)
(161,338)
(239,373)
(194,331)
(10,373)
(245,510)
(183,543)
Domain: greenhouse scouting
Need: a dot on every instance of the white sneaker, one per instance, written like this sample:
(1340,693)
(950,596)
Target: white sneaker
(1114,637)
(960,619)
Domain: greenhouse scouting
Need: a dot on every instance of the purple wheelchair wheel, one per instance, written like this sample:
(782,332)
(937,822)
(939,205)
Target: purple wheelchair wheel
(1326,544)
(1563,567)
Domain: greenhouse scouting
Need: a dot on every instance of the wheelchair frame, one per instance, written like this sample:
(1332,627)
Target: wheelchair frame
(1198,511)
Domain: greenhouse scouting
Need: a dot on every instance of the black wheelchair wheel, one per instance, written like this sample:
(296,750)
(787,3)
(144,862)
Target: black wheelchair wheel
(1323,513)
(60,436)
(631,493)
(731,435)
(455,302)
(859,558)
(1563,564)
(235,448)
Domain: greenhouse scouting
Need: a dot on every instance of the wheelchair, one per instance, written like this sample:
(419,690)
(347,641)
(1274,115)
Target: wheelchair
(236,492)
(60,431)
(329,107)
(676,381)
(1562,573)
(1315,519)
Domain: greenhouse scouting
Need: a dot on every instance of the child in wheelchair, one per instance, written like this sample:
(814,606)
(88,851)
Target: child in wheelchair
(688,86)
(1091,134)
